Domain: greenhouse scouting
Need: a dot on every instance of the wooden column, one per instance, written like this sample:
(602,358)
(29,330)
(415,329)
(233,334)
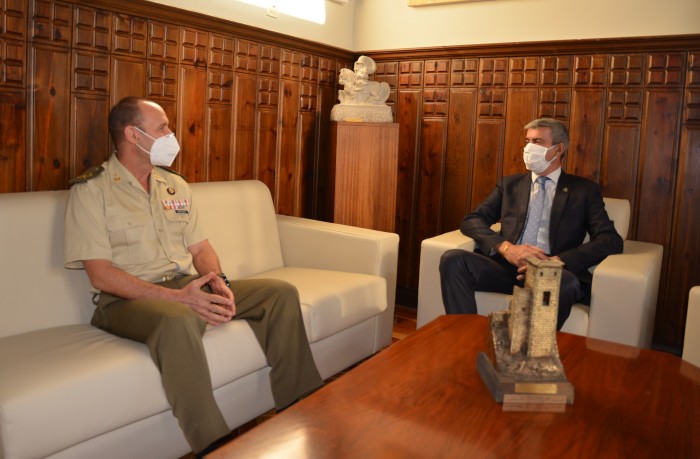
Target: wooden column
(365,162)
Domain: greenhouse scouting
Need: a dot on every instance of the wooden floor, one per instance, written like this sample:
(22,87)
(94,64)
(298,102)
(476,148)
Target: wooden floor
(404,324)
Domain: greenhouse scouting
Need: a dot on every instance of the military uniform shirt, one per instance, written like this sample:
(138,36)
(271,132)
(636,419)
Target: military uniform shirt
(111,217)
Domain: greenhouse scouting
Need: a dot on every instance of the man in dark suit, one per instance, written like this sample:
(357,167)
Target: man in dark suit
(545,213)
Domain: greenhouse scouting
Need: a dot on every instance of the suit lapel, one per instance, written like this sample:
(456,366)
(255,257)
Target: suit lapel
(523,197)
(558,204)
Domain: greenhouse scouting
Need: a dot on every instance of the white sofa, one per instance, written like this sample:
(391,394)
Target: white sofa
(691,343)
(69,390)
(623,295)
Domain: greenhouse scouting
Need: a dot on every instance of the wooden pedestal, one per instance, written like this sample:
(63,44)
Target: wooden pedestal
(365,165)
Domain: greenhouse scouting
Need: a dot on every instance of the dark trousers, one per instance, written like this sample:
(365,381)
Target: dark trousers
(173,334)
(462,273)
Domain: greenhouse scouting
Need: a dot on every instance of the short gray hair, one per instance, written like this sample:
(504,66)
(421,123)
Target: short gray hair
(560,134)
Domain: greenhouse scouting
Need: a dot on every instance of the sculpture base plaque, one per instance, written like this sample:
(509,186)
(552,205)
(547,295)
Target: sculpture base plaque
(521,395)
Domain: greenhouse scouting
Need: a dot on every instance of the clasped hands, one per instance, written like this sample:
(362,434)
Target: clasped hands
(517,255)
(214,308)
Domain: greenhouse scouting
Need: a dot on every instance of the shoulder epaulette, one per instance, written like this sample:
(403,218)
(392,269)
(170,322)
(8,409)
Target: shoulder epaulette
(91,173)
(172,172)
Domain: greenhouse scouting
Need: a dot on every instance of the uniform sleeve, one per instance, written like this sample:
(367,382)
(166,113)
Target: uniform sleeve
(86,236)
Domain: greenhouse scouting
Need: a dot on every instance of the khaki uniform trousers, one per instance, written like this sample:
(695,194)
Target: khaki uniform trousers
(173,334)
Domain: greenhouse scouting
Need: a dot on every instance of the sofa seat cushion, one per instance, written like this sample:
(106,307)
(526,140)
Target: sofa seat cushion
(44,372)
(333,301)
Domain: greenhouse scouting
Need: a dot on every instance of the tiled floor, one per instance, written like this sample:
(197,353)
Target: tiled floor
(404,324)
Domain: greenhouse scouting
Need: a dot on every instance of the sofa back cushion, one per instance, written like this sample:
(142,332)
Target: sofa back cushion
(239,219)
(619,212)
(36,291)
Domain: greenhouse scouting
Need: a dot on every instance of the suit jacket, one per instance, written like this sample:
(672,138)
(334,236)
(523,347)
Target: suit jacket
(577,209)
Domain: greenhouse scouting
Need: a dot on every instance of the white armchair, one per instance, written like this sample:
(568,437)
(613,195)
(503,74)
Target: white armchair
(691,344)
(623,294)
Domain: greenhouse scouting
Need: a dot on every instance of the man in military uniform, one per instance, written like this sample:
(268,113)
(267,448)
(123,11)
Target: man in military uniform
(133,228)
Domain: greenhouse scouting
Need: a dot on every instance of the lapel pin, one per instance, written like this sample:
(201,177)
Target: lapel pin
(171,190)
(565,190)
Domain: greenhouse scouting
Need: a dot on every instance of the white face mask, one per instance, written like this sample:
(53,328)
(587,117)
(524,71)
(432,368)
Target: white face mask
(534,157)
(164,149)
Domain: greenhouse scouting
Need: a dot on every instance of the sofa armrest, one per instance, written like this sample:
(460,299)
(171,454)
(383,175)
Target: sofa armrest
(623,295)
(322,245)
(430,303)
(691,343)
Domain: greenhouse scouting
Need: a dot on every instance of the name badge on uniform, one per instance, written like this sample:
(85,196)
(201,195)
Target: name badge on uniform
(178,205)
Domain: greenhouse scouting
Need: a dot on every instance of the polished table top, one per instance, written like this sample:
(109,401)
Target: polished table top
(423,398)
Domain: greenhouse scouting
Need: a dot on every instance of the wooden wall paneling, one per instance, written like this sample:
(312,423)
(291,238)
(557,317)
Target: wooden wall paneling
(13,56)
(130,35)
(92,39)
(464,78)
(491,109)
(323,185)
(218,139)
(13,19)
(289,147)
(51,22)
(191,102)
(127,78)
(408,115)
(488,144)
(128,68)
(682,254)
(163,41)
(268,116)
(219,118)
(191,123)
(89,141)
(49,112)
(656,195)
(458,158)
(13,114)
(429,198)
(431,154)
(619,160)
(308,104)
(304,196)
(246,61)
(521,109)
(588,114)
(387,72)
(92,28)
(287,184)
(13,95)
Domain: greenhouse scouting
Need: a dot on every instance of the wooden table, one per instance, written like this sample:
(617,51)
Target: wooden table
(423,398)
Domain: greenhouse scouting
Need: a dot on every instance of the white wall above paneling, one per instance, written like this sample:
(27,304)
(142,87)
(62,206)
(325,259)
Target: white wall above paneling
(367,25)
(392,24)
(337,31)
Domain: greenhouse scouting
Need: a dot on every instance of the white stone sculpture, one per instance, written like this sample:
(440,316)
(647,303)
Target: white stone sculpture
(362,99)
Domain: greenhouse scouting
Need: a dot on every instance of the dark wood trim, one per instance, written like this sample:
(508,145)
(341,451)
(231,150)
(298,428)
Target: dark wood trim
(549,48)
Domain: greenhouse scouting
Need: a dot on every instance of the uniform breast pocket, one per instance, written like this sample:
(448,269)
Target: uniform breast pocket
(133,239)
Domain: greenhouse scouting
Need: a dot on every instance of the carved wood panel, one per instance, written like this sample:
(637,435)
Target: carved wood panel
(49,111)
(13,113)
(13,19)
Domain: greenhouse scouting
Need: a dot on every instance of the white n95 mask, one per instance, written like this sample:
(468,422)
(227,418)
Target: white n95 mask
(164,149)
(534,157)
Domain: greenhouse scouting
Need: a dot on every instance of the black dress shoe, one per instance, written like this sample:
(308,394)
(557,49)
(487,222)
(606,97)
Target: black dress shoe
(216,444)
